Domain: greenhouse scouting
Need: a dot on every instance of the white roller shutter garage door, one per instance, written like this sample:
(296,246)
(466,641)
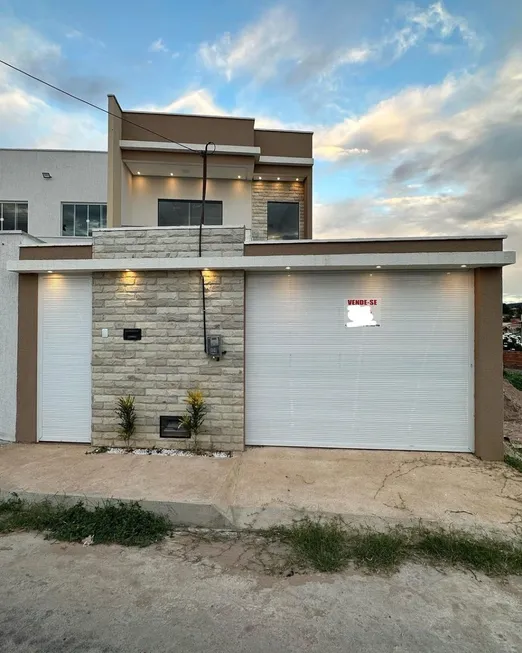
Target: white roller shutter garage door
(64,358)
(313,381)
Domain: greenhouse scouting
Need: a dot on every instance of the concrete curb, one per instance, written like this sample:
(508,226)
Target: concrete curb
(215,517)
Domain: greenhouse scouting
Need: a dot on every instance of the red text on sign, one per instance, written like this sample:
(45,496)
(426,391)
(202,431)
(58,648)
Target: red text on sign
(362,302)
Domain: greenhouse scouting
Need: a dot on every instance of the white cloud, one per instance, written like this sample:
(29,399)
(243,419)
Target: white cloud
(77,35)
(433,22)
(258,49)
(73,34)
(448,157)
(26,48)
(28,121)
(262,48)
(158,46)
(411,115)
(28,116)
(199,102)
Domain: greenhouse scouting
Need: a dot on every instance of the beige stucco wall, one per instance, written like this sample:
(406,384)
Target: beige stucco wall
(114,163)
(489,398)
(276,191)
(170,359)
(144,193)
(126,193)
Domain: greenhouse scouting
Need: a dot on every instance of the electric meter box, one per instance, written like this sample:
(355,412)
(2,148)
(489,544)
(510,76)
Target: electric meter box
(214,346)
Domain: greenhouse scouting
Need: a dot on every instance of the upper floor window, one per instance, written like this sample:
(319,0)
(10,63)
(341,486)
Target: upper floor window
(81,219)
(283,221)
(13,215)
(187,213)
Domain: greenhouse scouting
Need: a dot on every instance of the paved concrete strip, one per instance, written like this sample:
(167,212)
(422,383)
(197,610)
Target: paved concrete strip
(59,598)
(264,486)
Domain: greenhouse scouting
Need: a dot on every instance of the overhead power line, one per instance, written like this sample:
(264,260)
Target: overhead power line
(204,153)
(95,106)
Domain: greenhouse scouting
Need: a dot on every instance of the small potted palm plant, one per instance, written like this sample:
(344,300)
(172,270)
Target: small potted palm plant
(192,420)
(126,412)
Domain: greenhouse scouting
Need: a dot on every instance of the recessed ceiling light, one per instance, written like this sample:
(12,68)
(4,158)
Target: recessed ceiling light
(260,178)
(47,175)
(448,272)
(378,267)
(139,173)
(127,270)
(287,267)
(172,174)
(49,271)
(297,178)
(279,179)
(464,266)
(239,176)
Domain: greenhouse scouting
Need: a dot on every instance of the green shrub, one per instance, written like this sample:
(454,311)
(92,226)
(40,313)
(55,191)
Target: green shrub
(515,378)
(126,413)
(108,523)
(192,420)
(513,461)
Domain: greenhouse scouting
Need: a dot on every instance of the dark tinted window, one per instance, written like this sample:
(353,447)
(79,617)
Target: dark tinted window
(94,216)
(21,217)
(81,219)
(13,215)
(283,221)
(185,213)
(81,227)
(68,220)
(9,217)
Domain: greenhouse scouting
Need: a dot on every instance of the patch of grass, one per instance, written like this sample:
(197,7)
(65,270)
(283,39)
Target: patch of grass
(321,545)
(108,523)
(515,378)
(329,546)
(378,551)
(485,554)
(513,461)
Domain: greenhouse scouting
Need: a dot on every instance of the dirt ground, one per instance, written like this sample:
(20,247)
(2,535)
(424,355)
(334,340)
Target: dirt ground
(192,595)
(512,414)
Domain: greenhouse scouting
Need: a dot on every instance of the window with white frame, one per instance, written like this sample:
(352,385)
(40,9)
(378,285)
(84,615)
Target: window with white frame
(81,219)
(187,213)
(13,216)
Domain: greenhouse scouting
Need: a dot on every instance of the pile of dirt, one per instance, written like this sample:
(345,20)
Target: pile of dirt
(512,412)
(512,403)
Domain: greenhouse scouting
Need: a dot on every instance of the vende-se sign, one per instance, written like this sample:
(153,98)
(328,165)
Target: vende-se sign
(363,312)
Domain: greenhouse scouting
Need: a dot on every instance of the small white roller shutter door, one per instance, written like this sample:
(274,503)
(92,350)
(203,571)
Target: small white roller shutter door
(311,381)
(64,358)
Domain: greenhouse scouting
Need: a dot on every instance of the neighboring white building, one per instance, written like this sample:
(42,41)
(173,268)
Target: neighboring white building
(53,193)
(56,196)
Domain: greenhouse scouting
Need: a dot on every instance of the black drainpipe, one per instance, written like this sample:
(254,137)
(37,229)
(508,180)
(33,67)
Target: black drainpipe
(204,154)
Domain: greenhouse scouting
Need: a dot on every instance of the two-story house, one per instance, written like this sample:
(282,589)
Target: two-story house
(373,343)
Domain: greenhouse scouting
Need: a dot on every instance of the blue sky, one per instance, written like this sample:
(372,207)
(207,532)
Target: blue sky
(416,106)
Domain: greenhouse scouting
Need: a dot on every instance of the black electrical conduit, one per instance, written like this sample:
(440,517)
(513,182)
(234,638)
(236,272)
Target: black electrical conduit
(204,154)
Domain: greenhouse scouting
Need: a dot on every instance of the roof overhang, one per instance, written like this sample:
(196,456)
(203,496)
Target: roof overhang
(156,159)
(411,261)
(155,146)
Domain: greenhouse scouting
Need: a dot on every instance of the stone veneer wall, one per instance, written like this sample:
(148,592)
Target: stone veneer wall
(276,191)
(170,359)
(167,242)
